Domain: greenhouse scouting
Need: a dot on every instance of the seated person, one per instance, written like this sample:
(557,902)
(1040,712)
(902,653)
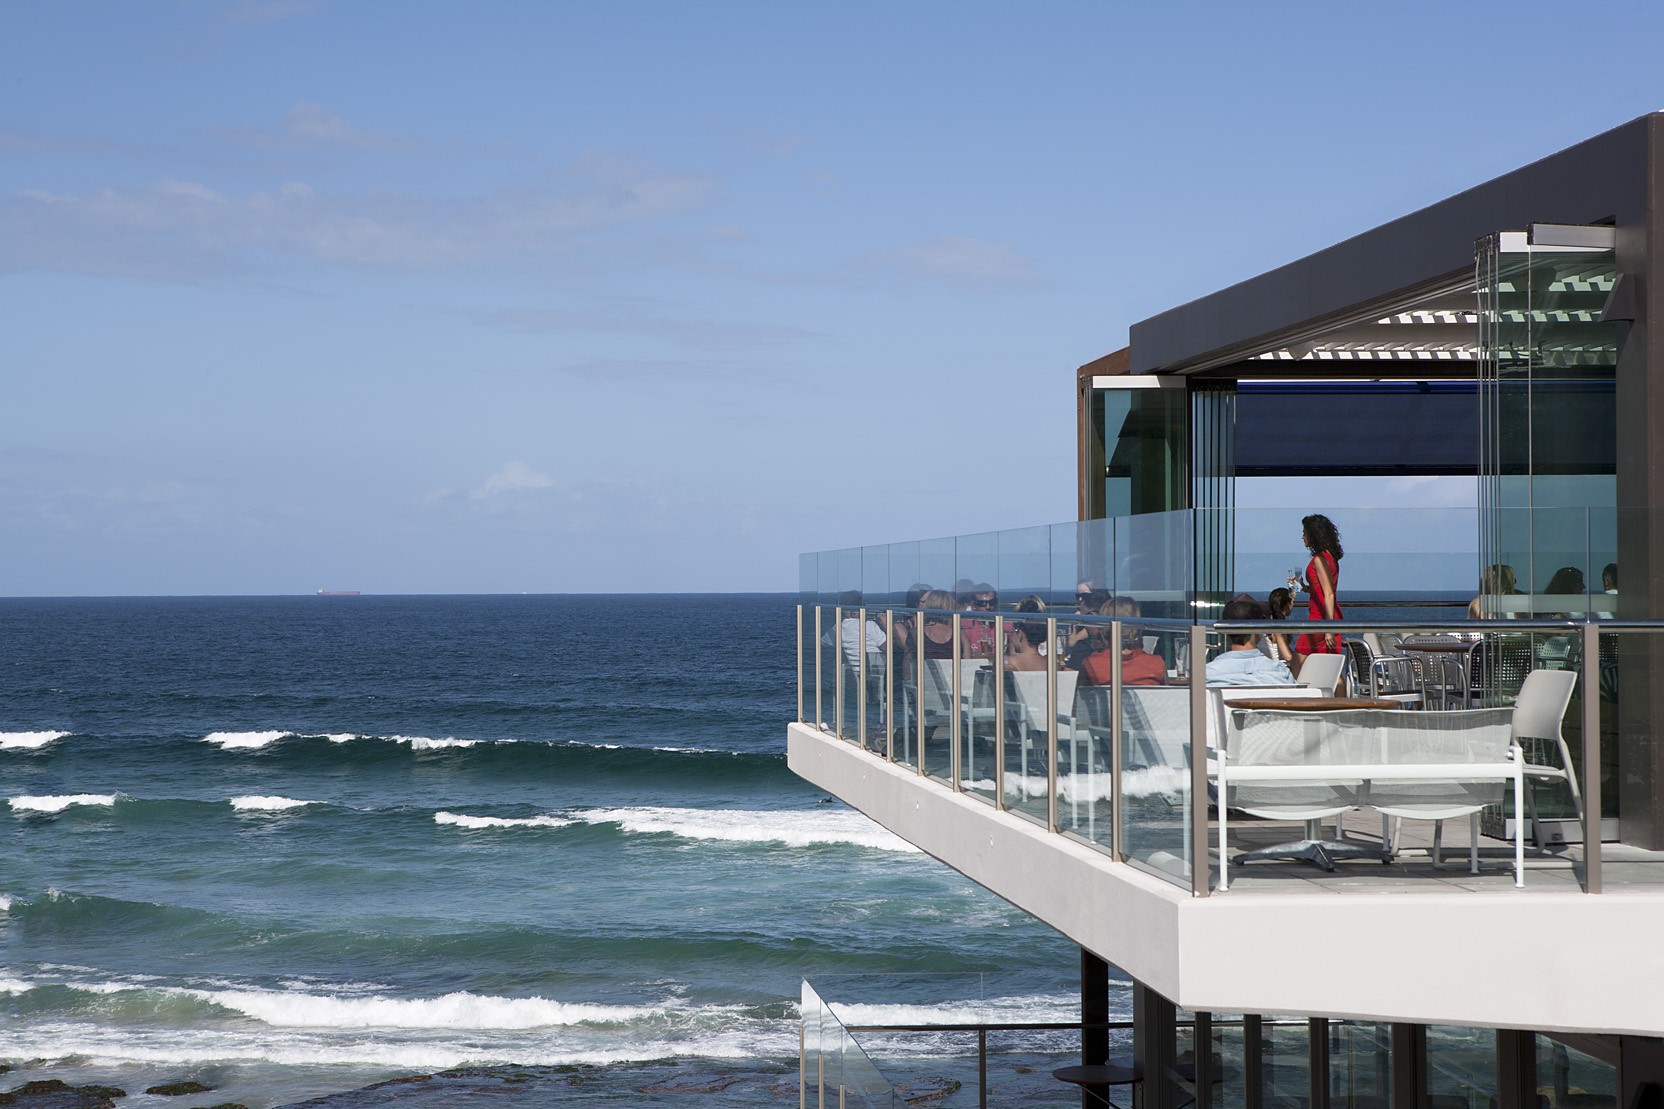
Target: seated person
(1138,666)
(850,633)
(981,601)
(1023,640)
(1276,645)
(1242,663)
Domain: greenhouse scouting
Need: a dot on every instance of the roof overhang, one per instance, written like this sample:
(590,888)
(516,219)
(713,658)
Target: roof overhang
(1387,294)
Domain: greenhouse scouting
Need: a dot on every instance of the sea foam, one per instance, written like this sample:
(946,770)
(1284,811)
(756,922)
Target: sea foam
(452,1011)
(54,803)
(243,741)
(28,741)
(423,743)
(794,827)
(462,820)
(267,804)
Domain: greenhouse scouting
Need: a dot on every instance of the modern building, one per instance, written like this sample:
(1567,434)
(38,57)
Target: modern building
(1504,334)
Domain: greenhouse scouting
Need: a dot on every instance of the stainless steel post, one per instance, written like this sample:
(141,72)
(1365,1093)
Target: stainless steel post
(838,674)
(1591,759)
(1051,739)
(918,688)
(982,1068)
(1117,845)
(890,685)
(800,664)
(861,675)
(1200,871)
(802,1062)
(820,715)
(998,664)
(957,728)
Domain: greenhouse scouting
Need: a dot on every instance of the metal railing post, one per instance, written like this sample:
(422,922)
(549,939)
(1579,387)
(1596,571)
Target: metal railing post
(1591,759)
(802,1064)
(1117,843)
(861,676)
(820,715)
(800,664)
(890,685)
(956,729)
(1200,871)
(838,674)
(982,1068)
(998,663)
(918,695)
(1051,740)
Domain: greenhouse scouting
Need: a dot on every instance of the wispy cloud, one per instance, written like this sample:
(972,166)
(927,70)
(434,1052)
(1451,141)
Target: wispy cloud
(187,229)
(313,127)
(514,477)
(956,260)
(710,335)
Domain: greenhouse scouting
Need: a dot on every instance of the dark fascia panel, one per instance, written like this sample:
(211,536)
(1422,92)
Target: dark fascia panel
(1595,181)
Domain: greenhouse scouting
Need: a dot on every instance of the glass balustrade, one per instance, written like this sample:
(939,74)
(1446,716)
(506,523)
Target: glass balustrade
(1090,723)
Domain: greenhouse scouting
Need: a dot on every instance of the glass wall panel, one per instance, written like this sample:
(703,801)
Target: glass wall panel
(1399,561)
(1285,1065)
(1569,1079)
(1144,432)
(976,560)
(906,573)
(1548,417)
(1155,800)
(936,564)
(1024,565)
(1461,1067)
(1360,1065)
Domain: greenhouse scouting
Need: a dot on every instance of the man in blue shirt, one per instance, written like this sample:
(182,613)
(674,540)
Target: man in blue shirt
(1242,663)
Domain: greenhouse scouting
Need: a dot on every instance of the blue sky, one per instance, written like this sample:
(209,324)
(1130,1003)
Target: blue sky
(419,297)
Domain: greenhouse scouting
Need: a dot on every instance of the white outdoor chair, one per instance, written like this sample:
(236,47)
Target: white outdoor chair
(1028,716)
(1322,672)
(1482,736)
(1538,713)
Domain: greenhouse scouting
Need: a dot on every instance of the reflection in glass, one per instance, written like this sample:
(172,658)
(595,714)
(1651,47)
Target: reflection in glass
(1569,1079)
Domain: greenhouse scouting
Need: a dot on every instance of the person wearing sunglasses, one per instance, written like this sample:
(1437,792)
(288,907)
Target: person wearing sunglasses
(982,600)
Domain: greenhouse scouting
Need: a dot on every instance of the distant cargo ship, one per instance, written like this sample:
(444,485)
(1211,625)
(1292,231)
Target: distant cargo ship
(337,592)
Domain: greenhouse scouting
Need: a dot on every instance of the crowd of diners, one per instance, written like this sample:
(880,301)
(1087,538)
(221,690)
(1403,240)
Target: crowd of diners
(1089,649)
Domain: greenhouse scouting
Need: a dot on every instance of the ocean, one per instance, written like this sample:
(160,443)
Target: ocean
(316,849)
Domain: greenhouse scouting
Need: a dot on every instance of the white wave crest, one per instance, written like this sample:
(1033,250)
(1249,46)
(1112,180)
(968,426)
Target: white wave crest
(793,827)
(423,743)
(15,985)
(28,741)
(53,803)
(5,903)
(243,741)
(267,804)
(341,737)
(462,820)
(452,1011)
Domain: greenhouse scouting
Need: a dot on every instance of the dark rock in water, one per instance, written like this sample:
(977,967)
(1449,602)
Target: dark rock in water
(227,1105)
(930,1090)
(693,1084)
(174,1089)
(55,1093)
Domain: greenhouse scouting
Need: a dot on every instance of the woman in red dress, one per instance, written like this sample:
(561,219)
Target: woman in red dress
(1321,538)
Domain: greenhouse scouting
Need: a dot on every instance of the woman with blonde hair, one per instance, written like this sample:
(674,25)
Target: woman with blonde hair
(938,626)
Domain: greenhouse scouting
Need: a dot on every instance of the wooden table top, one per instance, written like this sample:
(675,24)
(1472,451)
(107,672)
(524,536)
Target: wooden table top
(1314,704)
